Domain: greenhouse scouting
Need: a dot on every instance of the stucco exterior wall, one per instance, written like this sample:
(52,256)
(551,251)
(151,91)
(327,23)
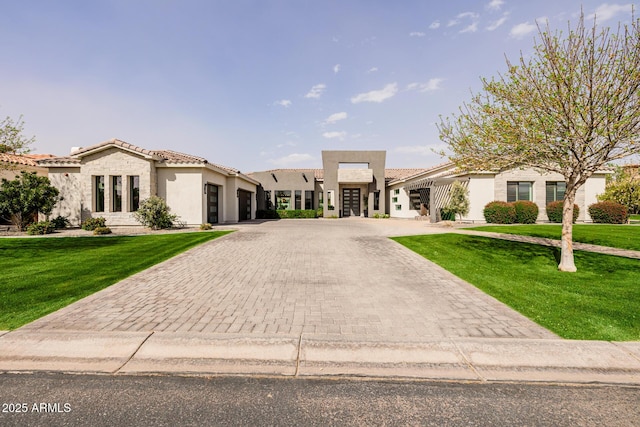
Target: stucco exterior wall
(539,189)
(67,181)
(182,189)
(593,188)
(115,162)
(288,181)
(402,200)
(11,171)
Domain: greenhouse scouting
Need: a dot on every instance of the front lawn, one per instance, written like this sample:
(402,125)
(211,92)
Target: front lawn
(42,275)
(615,236)
(599,302)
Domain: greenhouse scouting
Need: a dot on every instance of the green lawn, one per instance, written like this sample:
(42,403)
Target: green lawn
(41,275)
(615,236)
(634,218)
(599,302)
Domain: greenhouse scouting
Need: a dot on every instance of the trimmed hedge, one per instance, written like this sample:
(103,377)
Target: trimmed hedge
(609,213)
(297,213)
(554,211)
(526,212)
(42,227)
(92,223)
(498,212)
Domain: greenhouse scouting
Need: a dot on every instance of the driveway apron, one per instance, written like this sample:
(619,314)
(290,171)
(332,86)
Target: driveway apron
(327,278)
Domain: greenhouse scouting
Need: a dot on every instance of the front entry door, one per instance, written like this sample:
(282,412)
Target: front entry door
(244,205)
(350,202)
(213,204)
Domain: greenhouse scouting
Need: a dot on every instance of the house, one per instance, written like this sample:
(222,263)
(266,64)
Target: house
(111,178)
(356,183)
(12,164)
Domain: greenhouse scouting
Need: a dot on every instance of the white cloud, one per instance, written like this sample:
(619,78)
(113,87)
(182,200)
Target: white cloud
(283,103)
(376,95)
(372,70)
(434,25)
(332,135)
(291,159)
(495,4)
(432,84)
(420,150)
(495,24)
(472,28)
(336,117)
(607,11)
(336,68)
(316,91)
(417,34)
(521,30)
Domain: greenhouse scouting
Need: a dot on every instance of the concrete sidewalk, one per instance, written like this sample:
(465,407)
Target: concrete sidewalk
(307,298)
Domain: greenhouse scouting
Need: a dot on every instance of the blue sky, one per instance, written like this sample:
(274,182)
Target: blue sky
(263,84)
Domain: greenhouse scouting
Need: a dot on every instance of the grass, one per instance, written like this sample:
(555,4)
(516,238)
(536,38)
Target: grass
(599,302)
(42,275)
(615,236)
(634,218)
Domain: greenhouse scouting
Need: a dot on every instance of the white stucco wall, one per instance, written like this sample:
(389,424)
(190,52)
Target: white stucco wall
(183,191)
(481,191)
(592,188)
(403,200)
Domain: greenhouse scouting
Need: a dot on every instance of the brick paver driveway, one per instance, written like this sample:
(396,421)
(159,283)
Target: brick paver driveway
(330,278)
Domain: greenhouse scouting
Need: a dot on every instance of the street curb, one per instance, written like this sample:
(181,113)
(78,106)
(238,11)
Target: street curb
(465,359)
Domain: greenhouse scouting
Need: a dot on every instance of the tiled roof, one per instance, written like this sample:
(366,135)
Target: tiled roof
(24,159)
(170,156)
(115,142)
(58,161)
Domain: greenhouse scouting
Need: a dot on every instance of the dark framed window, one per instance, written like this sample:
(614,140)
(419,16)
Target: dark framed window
(519,191)
(134,193)
(98,193)
(308,199)
(267,199)
(555,190)
(376,200)
(116,194)
(298,199)
(320,199)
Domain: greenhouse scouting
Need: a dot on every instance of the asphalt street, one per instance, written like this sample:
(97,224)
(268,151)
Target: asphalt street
(45,399)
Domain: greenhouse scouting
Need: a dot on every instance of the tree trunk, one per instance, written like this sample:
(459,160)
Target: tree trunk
(566,256)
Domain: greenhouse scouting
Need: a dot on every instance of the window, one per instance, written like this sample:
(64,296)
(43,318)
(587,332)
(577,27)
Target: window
(414,200)
(320,198)
(394,200)
(267,199)
(398,207)
(376,200)
(283,199)
(519,191)
(396,191)
(298,199)
(116,194)
(308,199)
(555,190)
(134,193)
(99,193)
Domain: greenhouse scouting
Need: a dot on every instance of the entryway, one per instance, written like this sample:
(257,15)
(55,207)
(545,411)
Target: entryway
(213,204)
(244,205)
(350,202)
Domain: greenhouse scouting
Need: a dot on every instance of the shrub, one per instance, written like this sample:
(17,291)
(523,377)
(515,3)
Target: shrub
(206,226)
(526,212)
(609,213)
(267,214)
(42,227)
(499,213)
(101,230)
(93,223)
(154,213)
(60,222)
(554,211)
(296,213)
(447,214)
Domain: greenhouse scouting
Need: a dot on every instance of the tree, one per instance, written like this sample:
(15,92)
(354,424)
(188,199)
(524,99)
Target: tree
(624,188)
(570,107)
(25,196)
(458,199)
(12,139)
